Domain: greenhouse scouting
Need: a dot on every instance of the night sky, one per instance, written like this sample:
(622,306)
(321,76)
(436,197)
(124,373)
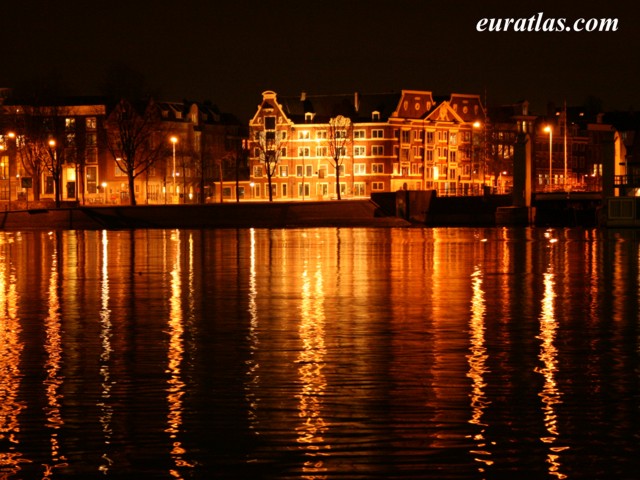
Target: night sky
(229,52)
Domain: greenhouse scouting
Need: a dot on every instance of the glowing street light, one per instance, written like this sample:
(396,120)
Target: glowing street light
(174,140)
(549,130)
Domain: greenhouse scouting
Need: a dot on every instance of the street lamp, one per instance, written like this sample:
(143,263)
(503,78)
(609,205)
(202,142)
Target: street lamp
(174,140)
(549,130)
(104,190)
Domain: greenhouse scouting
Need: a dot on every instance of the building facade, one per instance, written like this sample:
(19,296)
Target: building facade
(386,142)
(65,152)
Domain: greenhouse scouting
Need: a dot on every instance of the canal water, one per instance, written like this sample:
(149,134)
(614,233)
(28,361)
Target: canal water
(453,353)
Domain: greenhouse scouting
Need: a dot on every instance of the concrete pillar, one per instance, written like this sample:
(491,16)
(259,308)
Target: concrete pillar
(522,171)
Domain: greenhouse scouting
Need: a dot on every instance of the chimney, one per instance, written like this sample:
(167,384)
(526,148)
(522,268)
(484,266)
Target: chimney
(303,96)
(356,101)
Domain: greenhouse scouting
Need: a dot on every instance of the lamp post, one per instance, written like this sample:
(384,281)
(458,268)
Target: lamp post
(481,161)
(174,140)
(549,130)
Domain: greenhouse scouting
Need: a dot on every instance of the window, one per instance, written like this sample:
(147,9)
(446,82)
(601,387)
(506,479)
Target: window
(322,171)
(118,171)
(359,134)
(284,190)
(406,136)
(304,190)
(304,151)
(429,137)
(359,189)
(283,152)
(375,116)
(321,134)
(304,135)
(309,170)
(299,170)
(92,179)
(91,139)
(91,123)
(92,156)
(341,134)
(377,186)
(48,185)
(70,124)
(359,168)
(283,135)
(321,151)
(453,138)
(377,150)
(284,170)
(270,123)
(359,151)
(377,168)
(378,133)
(257,171)
(430,155)
(322,189)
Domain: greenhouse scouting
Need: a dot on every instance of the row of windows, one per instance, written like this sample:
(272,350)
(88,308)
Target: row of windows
(361,151)
(322,172)
(321,189)
(405,136)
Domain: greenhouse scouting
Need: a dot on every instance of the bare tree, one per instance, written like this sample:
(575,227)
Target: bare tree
(339,139)
(270,143)
(40,144)
(135,138)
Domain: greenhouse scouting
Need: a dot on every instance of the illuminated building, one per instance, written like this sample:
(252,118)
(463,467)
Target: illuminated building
(62,150)
(407,140)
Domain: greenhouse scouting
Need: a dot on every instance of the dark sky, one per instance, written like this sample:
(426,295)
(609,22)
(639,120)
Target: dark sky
(229,52)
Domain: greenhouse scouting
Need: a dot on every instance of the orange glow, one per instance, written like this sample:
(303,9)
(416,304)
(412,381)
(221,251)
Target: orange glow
(10,355)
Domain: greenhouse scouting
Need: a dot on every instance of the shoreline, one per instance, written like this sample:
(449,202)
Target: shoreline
(339,213)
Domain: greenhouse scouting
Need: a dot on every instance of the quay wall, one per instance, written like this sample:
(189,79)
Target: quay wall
(346,213)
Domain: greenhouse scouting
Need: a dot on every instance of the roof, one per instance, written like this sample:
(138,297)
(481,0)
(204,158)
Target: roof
(358,107)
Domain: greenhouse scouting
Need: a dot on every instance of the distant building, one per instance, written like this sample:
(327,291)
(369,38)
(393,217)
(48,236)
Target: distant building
(64,147)
(387,142)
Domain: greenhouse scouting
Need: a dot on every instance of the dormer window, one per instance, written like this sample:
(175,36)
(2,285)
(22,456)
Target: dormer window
(308,117)
(375,116)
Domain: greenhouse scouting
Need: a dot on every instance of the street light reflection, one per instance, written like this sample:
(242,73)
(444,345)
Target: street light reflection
(175,356)
(550,393)
(311,361)
(478,368)
(10,373)
(53,363)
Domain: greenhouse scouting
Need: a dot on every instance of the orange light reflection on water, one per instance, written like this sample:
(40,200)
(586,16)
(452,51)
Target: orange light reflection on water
(310,361)
(10,354)
(478,368)
(175,356)
(106,332)
(550,394)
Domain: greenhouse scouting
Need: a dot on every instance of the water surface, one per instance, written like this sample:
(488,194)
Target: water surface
(319,353)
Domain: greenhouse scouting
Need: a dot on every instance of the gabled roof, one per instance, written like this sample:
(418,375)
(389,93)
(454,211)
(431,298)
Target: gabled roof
(356,106)
(444,113)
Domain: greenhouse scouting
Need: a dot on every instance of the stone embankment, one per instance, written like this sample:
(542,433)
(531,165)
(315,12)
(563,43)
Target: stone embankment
(346,213)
